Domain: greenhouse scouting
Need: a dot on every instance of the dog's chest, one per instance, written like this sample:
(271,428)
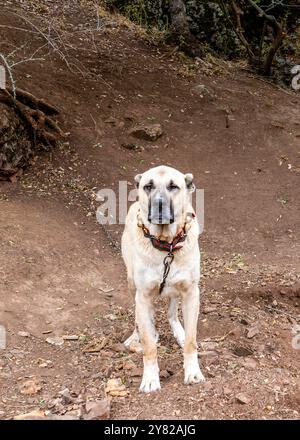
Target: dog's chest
(178,279)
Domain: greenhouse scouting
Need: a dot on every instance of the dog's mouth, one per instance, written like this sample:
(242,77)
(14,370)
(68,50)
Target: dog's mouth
(160,211)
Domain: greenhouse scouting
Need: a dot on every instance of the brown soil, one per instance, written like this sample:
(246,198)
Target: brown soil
(58,264)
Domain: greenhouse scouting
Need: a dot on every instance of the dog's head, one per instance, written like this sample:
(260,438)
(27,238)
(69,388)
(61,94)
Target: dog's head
(164,195)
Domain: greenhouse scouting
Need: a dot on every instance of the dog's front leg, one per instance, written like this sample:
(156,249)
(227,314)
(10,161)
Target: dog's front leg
(190,305)
(148,338)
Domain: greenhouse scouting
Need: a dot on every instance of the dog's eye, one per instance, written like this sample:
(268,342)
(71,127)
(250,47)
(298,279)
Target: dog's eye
(172,186)
(148,187)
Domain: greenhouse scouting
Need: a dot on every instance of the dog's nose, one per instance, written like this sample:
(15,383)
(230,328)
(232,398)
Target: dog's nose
(160,210)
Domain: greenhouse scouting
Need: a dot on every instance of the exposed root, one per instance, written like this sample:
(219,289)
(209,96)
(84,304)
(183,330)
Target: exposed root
(35,113)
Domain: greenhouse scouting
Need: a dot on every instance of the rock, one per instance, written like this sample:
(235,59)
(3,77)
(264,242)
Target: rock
(99,410)
(30,387)
(33,415)
(207,386)
(136,372)
(128,365)
(118,347)
(70,337)
(242,351)
(209,346)
(115,387)
(164,374)
(106,289)
(204,92)
(131,146)
(211,357)
(66,396)
(250,363)
(56,340)
(242,398)
(253,331)
(226,391)
(24,334)
(207,310)
(149,132)
(40,415)
(112,121)
(43,365)
(67,416)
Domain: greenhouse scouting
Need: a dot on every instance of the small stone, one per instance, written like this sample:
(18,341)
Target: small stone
(242,351)
(70,337)
(150,132)
(207,310)
(226,391)
(211,357)
(253,331)
(30,387)
(242,398)
(56,340)
(131,146)
(118,347)
(210,346)
(66,396)
(207,386)
(128,365)
(164,374)
(98,410)
(136,372)
(112,121)
(33,415)
(116,388)
(24,334)
(204,91)
(250,363)
(43,365)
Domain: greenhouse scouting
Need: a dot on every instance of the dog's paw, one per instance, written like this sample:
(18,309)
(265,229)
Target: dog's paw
(150,384)
(193,377)
(192,372)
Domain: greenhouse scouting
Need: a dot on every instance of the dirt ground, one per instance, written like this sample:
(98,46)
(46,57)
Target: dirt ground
(60,272)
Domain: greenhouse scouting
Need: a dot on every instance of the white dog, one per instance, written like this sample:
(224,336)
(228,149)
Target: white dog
(161,252)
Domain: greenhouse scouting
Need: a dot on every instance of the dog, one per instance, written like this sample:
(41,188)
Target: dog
(162,257)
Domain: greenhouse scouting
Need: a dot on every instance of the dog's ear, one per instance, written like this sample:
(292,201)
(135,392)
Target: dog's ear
(189,182)
(137,180)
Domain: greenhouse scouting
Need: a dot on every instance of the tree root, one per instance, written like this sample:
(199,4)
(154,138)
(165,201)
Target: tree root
(35,113)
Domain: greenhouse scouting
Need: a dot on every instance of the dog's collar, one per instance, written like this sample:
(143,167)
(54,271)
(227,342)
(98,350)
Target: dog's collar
(163,245)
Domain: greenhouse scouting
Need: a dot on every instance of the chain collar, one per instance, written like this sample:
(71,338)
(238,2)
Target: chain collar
(166,246)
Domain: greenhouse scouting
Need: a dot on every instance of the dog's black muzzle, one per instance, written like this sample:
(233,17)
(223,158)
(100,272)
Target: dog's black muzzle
(161,211)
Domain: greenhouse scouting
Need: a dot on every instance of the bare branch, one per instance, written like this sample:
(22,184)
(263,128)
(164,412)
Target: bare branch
(8,68)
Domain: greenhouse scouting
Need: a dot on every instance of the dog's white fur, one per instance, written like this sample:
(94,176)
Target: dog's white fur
(144,266)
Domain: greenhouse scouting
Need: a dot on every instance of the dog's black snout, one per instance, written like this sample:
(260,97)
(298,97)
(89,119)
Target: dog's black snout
(161,211)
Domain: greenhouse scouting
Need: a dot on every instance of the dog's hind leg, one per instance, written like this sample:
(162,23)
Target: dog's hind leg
(148,335)
(175,324)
